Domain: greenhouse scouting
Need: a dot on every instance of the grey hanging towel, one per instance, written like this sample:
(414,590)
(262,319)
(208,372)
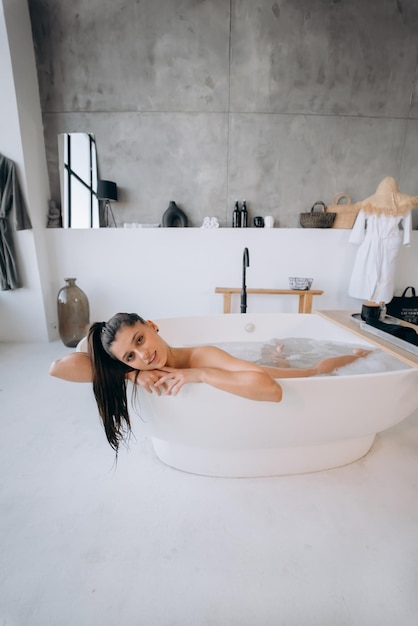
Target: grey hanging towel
(13,214)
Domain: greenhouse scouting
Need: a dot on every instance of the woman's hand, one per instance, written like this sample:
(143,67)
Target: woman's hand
(173,379)
(148,380)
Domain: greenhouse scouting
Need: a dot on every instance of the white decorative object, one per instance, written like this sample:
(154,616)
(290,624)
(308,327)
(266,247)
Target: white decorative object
(269,221)
(210,222)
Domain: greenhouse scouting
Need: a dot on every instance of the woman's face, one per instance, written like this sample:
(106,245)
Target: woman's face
(140,346)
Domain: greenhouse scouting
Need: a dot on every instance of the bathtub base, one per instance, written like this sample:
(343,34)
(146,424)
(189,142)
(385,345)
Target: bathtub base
(262,462)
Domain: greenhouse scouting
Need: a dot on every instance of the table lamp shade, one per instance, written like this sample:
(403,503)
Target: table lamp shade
(107,190)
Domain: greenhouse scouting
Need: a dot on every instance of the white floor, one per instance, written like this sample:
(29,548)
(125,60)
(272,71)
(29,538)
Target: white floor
(85,543)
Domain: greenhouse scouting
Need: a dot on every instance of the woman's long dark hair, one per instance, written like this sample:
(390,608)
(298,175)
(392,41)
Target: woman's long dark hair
(109,376)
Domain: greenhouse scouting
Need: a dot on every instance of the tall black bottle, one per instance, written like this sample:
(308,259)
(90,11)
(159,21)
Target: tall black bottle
(244,214)
(236,216)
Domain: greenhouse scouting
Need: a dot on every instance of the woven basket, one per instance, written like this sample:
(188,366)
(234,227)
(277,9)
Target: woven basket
(346,213)
(317,219)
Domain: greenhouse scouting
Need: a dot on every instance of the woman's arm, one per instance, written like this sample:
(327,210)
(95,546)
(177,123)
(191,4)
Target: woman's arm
(210,365)
(75,367)
(247,384)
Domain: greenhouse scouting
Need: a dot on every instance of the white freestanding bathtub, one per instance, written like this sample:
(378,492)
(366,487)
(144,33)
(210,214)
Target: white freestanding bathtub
(321,423)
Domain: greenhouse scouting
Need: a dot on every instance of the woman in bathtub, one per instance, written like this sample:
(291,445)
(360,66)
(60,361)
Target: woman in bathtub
(129,348)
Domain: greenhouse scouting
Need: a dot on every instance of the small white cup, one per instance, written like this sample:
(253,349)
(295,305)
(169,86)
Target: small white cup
(268,221)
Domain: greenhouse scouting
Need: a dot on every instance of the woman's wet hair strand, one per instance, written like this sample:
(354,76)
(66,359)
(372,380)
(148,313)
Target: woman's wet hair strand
(109,377)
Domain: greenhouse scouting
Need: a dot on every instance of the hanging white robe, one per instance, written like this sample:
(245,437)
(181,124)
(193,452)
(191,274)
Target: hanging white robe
(379,238)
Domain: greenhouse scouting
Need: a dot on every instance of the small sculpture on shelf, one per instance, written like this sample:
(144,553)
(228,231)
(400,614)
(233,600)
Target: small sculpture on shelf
(54,215)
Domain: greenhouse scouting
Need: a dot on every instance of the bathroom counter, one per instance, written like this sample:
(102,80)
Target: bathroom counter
(344,319)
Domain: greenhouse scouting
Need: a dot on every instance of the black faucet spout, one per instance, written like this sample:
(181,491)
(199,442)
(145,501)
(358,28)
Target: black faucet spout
(245,264)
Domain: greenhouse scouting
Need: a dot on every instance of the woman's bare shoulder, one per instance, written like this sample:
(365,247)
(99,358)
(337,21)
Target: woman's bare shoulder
(212,356)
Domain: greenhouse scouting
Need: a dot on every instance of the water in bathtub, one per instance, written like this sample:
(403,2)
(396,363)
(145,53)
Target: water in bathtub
(305,352)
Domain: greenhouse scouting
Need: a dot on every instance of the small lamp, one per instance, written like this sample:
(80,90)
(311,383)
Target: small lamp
(107,191)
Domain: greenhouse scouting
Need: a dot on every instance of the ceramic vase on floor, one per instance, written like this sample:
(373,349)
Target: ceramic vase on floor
(73,313)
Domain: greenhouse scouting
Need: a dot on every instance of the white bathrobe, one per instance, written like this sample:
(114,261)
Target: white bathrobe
(379,237)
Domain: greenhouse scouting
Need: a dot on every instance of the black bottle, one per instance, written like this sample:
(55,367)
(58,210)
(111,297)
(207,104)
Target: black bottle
(236,216)
(244,214)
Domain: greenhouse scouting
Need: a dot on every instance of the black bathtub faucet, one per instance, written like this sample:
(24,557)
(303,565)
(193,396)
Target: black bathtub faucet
(245,264)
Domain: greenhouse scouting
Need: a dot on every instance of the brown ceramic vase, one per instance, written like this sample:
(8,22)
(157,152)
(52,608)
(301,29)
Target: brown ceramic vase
(73,313)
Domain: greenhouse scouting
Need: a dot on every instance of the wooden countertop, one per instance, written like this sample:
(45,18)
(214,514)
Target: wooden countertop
(344,319)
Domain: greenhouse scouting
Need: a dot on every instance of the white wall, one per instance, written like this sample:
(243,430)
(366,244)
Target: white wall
(174,272)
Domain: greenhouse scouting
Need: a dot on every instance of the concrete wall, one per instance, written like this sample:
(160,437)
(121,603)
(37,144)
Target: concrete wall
(205,149)
(282,103)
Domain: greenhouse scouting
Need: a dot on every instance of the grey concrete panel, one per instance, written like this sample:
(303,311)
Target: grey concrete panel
(155,158)
(322,56)
(282,164)
(328,86)
(102,55)
(408,180)
(413,110)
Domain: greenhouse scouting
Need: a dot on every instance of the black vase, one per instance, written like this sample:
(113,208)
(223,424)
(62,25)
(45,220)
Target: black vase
(174,216)
(73,313)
